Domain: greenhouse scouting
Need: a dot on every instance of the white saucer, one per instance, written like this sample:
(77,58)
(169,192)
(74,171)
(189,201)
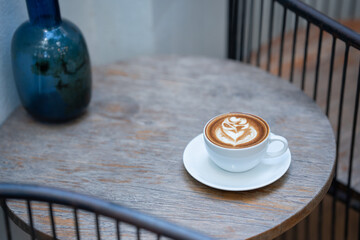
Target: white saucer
(200,167)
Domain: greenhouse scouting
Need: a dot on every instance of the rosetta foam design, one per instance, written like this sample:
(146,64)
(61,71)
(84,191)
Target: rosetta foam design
(237,130)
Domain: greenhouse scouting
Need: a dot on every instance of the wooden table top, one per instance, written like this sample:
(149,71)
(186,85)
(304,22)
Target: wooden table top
(128,147)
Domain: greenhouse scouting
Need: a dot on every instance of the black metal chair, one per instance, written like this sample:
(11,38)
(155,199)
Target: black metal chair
(248,20)
(78,202)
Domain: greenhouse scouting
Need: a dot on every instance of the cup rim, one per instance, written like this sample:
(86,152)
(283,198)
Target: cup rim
(236,149)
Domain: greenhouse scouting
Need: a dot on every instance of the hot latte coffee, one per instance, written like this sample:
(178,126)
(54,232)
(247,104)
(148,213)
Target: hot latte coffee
(236,130)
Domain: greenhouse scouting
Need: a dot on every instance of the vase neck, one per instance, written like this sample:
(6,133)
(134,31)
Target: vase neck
(45,13)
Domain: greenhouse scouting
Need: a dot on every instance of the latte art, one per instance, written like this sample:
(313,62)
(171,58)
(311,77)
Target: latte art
(235,131)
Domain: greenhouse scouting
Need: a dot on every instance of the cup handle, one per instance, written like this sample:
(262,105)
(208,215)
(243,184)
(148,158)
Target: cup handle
(274,138)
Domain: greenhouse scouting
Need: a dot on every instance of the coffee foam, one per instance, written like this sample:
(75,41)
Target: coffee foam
(236,130)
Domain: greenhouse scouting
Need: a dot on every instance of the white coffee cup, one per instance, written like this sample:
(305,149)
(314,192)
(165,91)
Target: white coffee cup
(244,159)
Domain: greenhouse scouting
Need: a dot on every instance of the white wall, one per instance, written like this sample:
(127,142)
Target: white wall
(190,27)
(12,14)
(113,29)
(123,29)
(117,30)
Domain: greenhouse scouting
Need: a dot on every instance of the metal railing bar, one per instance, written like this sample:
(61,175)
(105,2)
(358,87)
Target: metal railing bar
(319,19)
(294,48)
(340,190)
(260,31)
(97,226)
(270,35)
(342,90)
(337,31)
(232,29)
(333,230)
(138,234)
(249,40)
(317,65)
(333,46)
(6,218)
(28,204)
(107,209)
(348,192)
(242,31)
(77,229)
(229,30)
(118,235)
(282,41)
(305,56)
(53,229)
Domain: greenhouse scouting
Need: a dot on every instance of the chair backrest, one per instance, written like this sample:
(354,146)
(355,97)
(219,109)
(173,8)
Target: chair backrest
(78,202)
(292,40)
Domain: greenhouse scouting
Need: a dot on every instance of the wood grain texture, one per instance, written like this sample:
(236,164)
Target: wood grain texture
(128,147)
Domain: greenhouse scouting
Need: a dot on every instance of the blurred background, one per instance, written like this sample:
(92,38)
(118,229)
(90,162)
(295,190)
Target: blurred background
(117,30)
(122,29)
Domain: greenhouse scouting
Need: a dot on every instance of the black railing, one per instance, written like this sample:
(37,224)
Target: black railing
(240,15)
(98,207)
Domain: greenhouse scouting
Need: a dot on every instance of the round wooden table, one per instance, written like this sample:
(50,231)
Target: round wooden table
(128,147)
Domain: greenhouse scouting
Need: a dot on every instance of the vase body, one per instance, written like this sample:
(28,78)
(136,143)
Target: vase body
(51,64)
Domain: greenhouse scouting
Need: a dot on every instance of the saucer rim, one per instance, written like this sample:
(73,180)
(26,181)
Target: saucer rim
(237,189)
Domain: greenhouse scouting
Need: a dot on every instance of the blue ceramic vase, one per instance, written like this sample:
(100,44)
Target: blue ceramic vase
(51,64)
